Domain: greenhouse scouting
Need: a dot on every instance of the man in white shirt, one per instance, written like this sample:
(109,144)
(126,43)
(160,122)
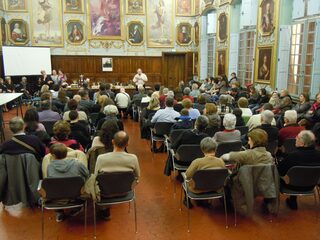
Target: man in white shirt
(123,100)
(166,115)
(140,78)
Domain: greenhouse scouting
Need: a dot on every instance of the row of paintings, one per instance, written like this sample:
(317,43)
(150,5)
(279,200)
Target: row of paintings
(18,33)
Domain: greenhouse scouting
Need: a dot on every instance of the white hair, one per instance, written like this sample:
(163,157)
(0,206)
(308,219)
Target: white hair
(110,110)
(267,116)
(307,137)
(291,116)
(229,121)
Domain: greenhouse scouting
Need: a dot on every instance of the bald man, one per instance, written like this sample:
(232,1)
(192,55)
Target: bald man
(140,78)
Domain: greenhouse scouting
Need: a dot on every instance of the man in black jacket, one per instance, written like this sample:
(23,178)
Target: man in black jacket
(306,155)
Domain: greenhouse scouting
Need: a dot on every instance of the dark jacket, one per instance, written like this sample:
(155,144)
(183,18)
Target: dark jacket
(193,136)
(183,123)
(273,132)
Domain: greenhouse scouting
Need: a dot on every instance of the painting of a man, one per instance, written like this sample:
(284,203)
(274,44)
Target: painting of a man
(223,23)
(267,21)
(184,34)
(17,34)
(135,33)
(75,32)
(221,62)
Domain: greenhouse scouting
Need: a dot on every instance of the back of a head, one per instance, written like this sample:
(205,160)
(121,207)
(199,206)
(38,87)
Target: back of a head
(121,139)
(72,104)
(102,87)
(211,108)
(83,93)
(77,97)
(73,115)
(108,86)
(31,115)
(208,145)
(169,101)
(237,112)
(157,87)
(267,117)
(16,125)
(202,123)
(229,121)
(61,130)
(45,105)
(186,91)
(111,110)
(59,151)
(291,116)
(258,137)
(267,106)
(307,138)
(243,102)
(165,91)
(141,89)
(187,103)
(223,99)
(201,100)
(184,112)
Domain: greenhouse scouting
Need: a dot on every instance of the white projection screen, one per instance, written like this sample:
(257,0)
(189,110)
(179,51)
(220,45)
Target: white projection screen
(26,61)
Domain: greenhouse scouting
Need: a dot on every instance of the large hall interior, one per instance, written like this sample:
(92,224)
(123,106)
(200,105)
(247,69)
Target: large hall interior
(159,119)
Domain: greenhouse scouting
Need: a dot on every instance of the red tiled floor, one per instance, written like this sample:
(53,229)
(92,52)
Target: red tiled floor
(159,216)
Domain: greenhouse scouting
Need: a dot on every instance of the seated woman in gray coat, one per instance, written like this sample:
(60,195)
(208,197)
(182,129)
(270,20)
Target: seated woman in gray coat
(230,134)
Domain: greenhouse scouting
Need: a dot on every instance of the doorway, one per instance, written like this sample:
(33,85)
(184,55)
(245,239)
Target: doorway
(174,69)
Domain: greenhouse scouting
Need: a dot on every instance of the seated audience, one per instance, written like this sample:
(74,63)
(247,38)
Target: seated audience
(186,94)
(111,112)
(313,115)
(61,100)
(285,102)
(224,104)
(110,93)
(238,113)
(274,99)
(20,142)
(178,97)
(122,100)
(257,154)
(291,129)
(230,134)
(61,167)
(31,121)
(306,155)
(85,101)
(73,105)
(153,107)
(79,129)
(195,91)
(210,112)
(255,120)
(303,106)
(46,114)
(102,92)
(262,99)
(117,161)
(243,105)
(105,135)
(200,104)
(184,121)
(193,113)
(166,115)
(102,102)
(266,119)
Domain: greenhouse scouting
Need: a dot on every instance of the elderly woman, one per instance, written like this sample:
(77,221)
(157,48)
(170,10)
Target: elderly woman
(61,132)
(193,113)
(105,135)
(195,91)
(111,113)
(186,94)
(211,112)
(257,154)
(230,134)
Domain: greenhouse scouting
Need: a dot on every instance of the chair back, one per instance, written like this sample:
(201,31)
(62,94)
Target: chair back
(62,187)
(162,128)
(272,147)
(93,154)
(112,183)
(301,176)
(289,145)
(174,134)
(243,129)
(210,178)
(211,131)
(137,102)
(189,152)
(226,147)
(94,118)
(49,127)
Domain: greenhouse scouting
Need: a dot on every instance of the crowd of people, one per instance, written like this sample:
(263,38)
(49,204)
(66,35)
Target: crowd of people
(209,114)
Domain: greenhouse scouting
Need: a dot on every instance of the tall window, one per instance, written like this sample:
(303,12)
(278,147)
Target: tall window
(245,60)
(301,57)
(210,55)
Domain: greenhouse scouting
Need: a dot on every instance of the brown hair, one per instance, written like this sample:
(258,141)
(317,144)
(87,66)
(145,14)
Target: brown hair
(258,137)
(187,103)
(211,108)
(243,102)
(61,130)
(59,150)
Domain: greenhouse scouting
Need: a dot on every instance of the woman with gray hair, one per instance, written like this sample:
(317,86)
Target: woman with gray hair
(230,134)
(111,113)
(186,94)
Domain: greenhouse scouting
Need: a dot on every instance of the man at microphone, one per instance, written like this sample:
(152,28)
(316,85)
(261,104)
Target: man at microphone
(140,78)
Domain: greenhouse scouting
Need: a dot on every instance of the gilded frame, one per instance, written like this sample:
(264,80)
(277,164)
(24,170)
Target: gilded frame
(140,31)
(196,7)
(181,38)
(196,33)
(3,31)
(2,6)
(37,33)
(262,53)
(223,2)
(223,19)
(131,11)
(195,62)
(224,67)
(184,13)
(17,9)
(23,24)
(160,39)
(80,10)
(101,20)
(263,27)
(75,22)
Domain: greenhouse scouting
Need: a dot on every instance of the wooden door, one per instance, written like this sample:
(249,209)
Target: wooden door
(174,69)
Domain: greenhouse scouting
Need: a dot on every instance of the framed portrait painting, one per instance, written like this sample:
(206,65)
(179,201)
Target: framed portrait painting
(73,6)
(184,7)
(105,19)
(107,64)
(160,23)
(196,34)
(195,64)
(75,32)
(221,62)
(267,17)
(16,5)
(264,67)
(222,27)
(135,7)
(135,35)
(184,34)
(46,22)
(18,32)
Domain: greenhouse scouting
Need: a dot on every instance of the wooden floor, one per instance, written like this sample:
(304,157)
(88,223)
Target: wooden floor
(158,212)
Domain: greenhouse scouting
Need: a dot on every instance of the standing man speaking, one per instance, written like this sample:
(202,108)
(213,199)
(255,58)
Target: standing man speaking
(140,78)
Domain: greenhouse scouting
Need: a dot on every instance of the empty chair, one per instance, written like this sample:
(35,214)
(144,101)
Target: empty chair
(289,145)
(206,179)
(243,129)
(158,131)
(52,193)
(226,147)
(118,185)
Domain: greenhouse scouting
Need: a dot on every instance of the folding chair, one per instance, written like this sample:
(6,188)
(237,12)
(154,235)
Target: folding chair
(204,180)
(226,147)
(273,148)
(211,131)
(158,131)
(304,177)
(113,184)
(52,191)
(174,134)
(243,129)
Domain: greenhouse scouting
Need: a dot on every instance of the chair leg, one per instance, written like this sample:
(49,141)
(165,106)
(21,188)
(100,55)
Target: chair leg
(188,213)
(85,217)
(129,207)
(181,198)
(42,230)
(135,214)
(315,202)
(235,211)
(94,219)
(225,210)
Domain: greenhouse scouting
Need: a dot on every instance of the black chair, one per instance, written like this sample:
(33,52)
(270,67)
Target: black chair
(211,131)
(206,179)
(174,134)
(158,132)
(52,191)
(226,147)
(119,186)
(49,126)
(243,129)
(302,177)
(289,145)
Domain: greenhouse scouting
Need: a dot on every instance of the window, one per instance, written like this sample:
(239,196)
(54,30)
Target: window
(301,57)
(211,56)
(245,60)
